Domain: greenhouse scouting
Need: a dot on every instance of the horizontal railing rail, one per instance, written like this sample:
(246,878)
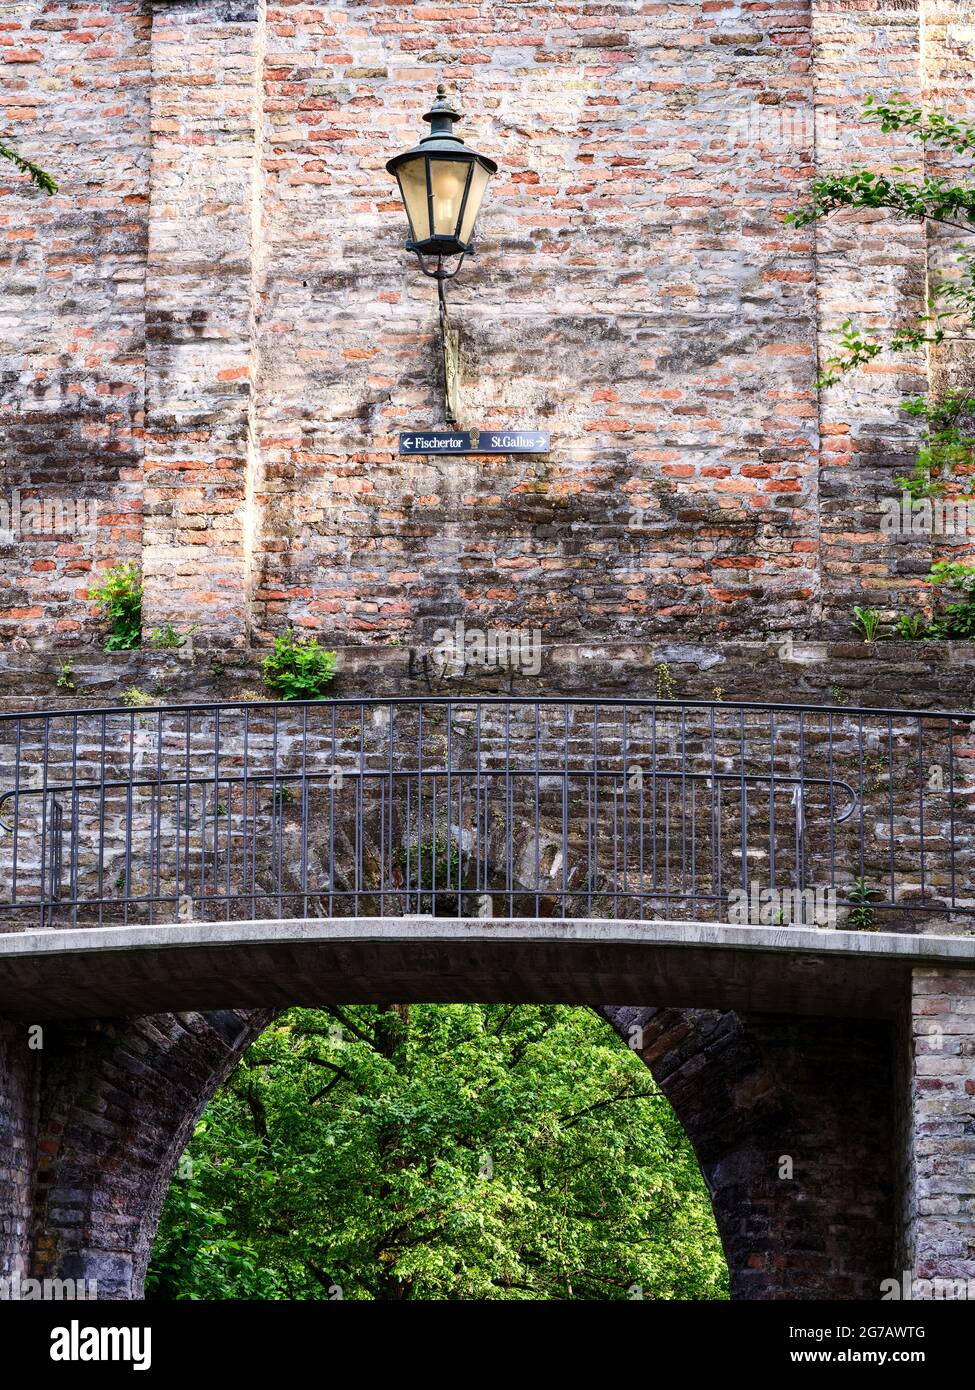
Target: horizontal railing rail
(490,805)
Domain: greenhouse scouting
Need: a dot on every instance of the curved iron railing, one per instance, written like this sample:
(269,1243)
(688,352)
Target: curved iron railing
(497,806)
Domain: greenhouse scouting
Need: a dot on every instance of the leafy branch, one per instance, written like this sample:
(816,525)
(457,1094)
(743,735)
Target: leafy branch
(39,176)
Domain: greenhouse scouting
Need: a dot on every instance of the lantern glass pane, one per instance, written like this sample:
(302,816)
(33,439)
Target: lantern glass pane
(412,177)
(449,179)
(479,183)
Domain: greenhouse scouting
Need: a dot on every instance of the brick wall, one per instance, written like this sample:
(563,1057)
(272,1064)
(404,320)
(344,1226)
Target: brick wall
(18,1118)
(74,95)
(215,320)
(939,1238)
(795,1145)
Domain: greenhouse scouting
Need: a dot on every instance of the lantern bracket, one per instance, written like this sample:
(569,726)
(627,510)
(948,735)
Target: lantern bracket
(449,338)
(450,349)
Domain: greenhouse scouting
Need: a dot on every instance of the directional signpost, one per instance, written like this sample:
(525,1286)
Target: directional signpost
(475,442)
(436,442)
(513,442)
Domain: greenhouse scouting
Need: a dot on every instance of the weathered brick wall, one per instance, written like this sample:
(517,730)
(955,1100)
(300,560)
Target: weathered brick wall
(214,321)
(18,1120)
(637,293)
(796,1146)
(939,1209)
(117,1103)
(74,94)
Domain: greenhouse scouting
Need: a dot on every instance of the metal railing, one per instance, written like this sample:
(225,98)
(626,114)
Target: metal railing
(496,806)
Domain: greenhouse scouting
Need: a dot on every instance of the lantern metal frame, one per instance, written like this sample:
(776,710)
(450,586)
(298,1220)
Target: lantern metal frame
(441,144)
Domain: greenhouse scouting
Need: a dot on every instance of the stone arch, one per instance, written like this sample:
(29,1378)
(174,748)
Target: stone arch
(115,1107)
(110,1105)
(754,1089)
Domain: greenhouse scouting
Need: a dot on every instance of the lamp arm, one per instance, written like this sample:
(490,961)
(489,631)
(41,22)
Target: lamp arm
(439,273)
(450,350)
(449,338)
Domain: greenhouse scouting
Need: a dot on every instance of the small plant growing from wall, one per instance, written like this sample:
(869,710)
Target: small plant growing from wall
(169,638)
(867,623)
(66,680)
(910,626)
(666,689)
(34,172)
(432,866)
(120,597)
(298,668)
(861,915)
(955,621)
(134,698)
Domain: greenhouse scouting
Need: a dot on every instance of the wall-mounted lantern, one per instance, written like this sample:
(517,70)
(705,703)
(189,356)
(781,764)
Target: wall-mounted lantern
(442,182)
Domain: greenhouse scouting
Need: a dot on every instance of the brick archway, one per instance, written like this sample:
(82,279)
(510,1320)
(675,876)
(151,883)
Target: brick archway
(95,1123)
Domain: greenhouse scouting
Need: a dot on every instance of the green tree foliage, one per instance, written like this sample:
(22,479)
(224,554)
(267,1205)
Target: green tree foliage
(949,437)
(438,1152)
(946,447)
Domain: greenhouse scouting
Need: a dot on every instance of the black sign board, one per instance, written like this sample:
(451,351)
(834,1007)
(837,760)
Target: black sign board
(481,442)
(436,442)
(513,442)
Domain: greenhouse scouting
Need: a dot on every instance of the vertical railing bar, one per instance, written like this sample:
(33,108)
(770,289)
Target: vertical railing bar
(128,820)
(15,848)
(360,832)
(43,866)
(773,875)
(801,818)
(626,804)
(156,902)
(653,791)
(216,801)
(188,769)
(419,808)
(331,818)
(715,823)
(860,794)
(304,811)
(388,869)
(480,863)
(75,835)
(683,796)
(744,804)
(538,794)
(693,844)
(951,809)
(920,789)
(592,833)
(249,829)
(509,812)
(890,810)
(667,836)
(832,801)
(565,809)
